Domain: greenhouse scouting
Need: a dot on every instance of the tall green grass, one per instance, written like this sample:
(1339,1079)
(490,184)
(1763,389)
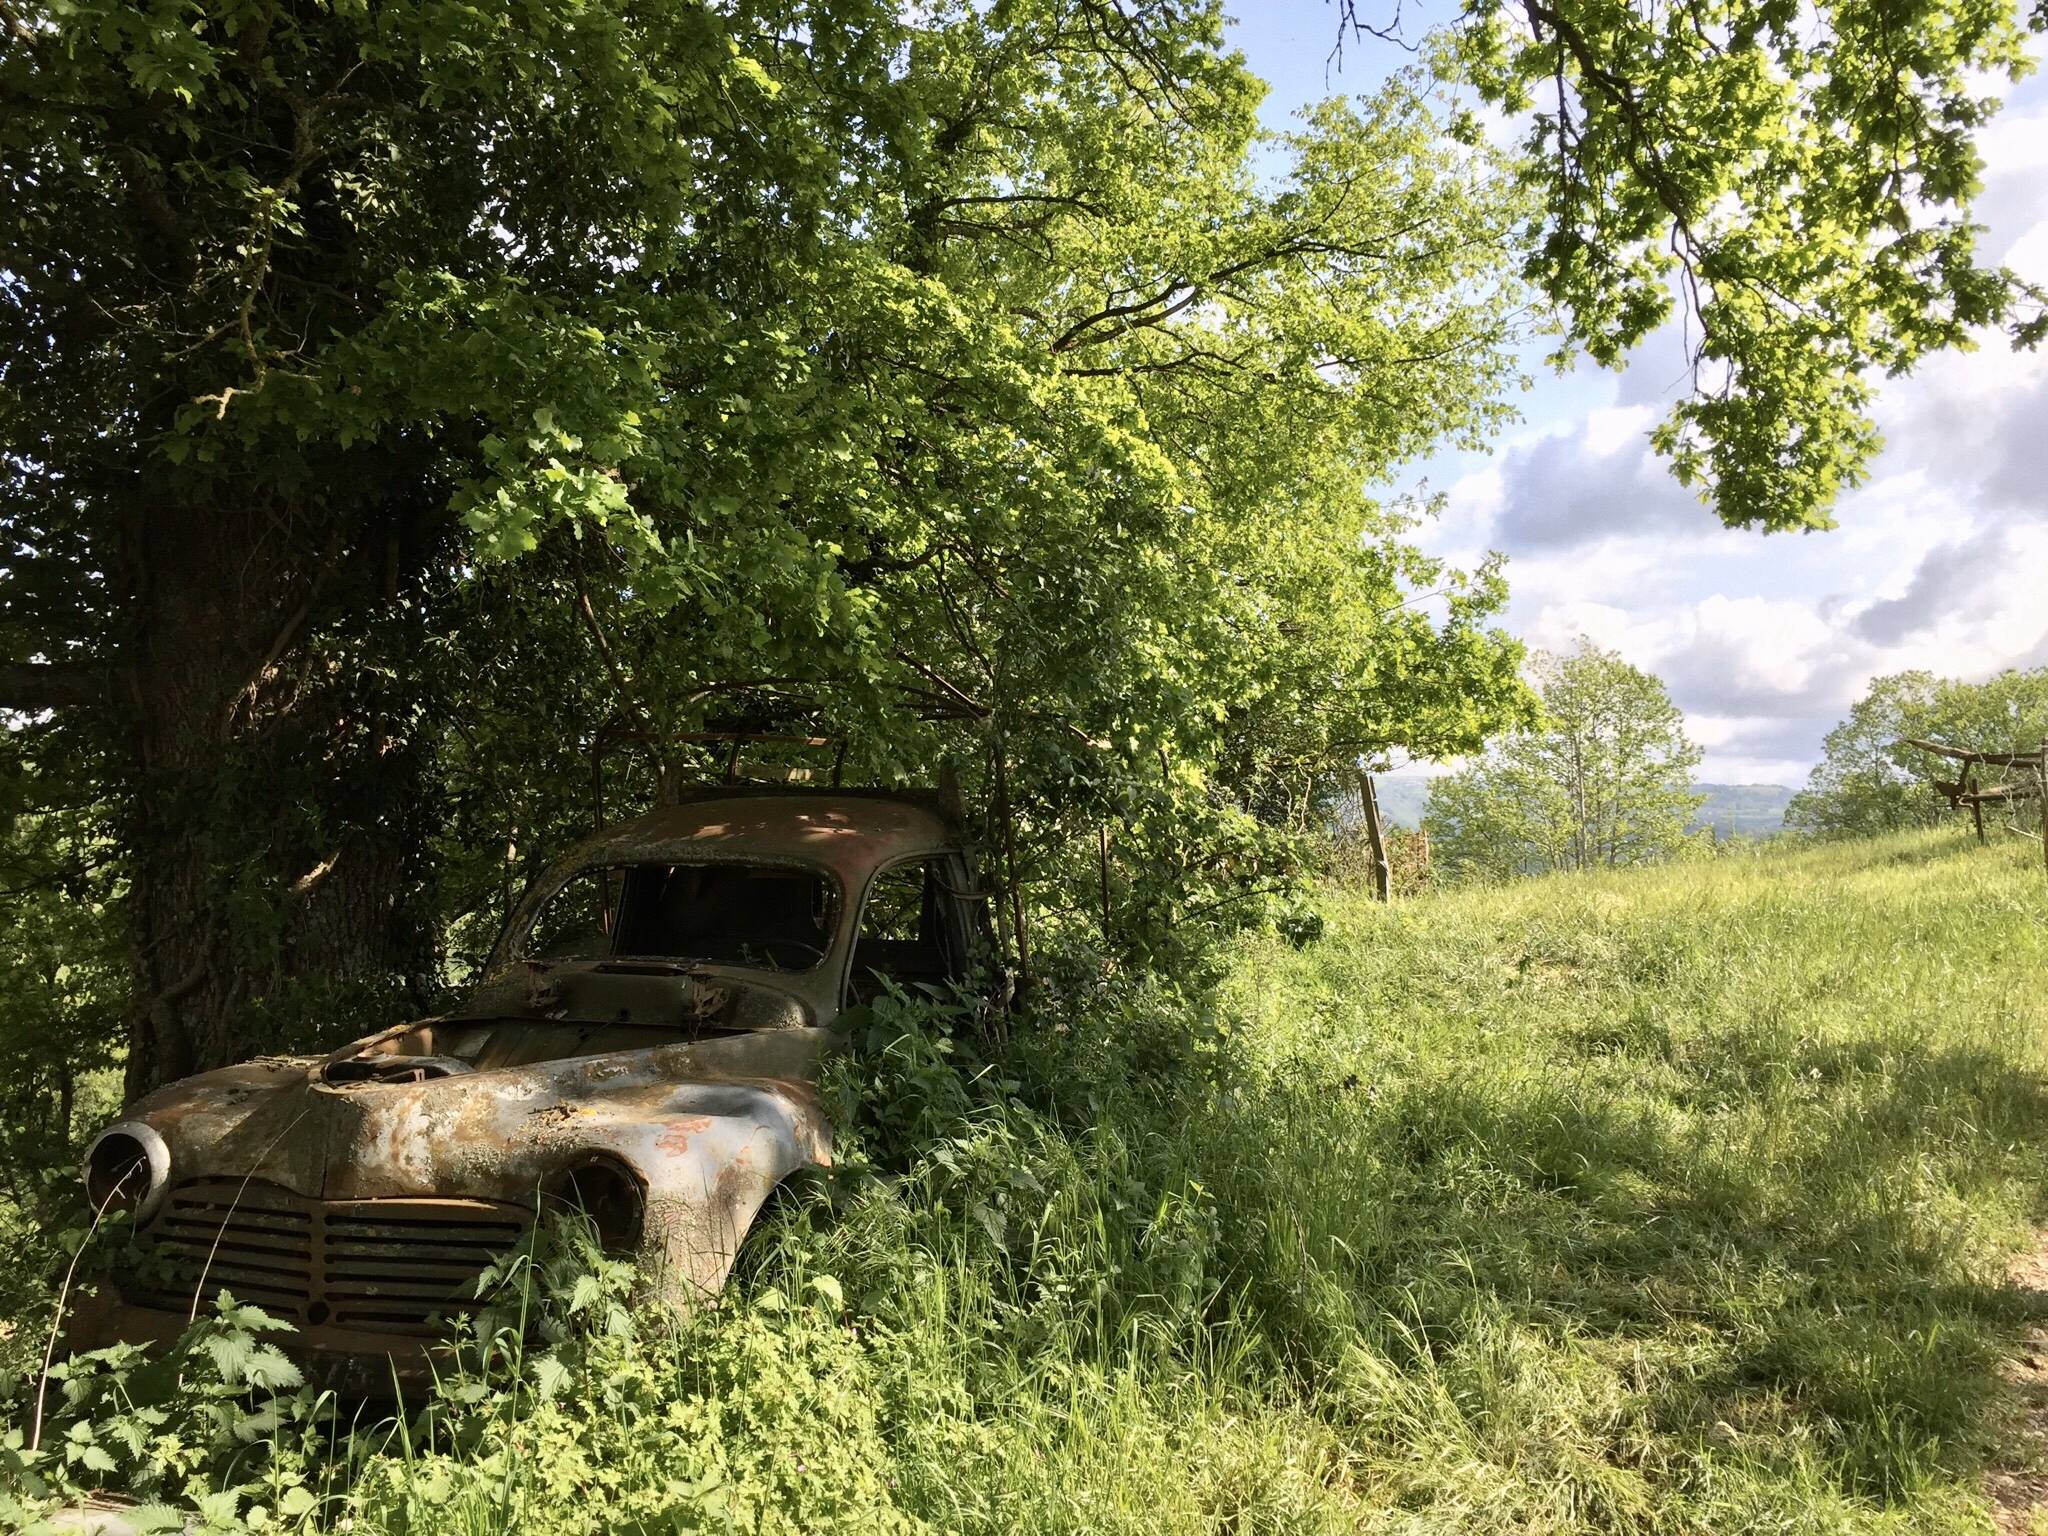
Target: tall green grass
(1677,1200)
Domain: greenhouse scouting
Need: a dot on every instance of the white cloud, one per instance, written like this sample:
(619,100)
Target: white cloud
(1596,480)
(2015,196)
(1765,641)
(1763,657)
(1951,579)
(1561,626)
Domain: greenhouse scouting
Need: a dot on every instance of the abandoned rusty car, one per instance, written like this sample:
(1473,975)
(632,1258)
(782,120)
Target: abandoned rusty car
(643,1043)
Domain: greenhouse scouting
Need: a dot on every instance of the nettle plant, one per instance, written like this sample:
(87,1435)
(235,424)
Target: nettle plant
(220,1426)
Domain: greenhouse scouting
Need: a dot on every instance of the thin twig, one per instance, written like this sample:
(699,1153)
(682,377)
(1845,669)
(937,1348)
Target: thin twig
(206,1269)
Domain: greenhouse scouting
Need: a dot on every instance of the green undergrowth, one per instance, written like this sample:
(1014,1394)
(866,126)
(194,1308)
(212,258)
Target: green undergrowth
(1677,1200)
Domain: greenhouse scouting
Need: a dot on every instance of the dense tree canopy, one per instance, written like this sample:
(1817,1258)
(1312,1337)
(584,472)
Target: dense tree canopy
(1869,781)
(1603,778)
(950,384)
(394,398)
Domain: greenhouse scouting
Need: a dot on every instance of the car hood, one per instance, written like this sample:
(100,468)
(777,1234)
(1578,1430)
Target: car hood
(679,1115)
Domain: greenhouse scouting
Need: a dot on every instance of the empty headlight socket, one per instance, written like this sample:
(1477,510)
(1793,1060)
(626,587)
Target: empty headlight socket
(128,1168)
(610,1194)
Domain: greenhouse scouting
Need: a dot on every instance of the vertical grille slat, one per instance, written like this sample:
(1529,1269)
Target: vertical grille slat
(394,1266)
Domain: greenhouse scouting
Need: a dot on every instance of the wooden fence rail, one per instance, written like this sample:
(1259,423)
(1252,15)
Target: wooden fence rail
(2025,778)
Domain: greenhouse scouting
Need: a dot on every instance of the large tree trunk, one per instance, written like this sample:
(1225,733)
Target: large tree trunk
(276,860)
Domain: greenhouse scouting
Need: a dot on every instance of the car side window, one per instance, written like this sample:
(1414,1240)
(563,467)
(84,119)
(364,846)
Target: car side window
(910,931)
(576,923)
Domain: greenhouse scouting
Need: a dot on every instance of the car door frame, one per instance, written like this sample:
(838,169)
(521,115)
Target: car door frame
(956,879)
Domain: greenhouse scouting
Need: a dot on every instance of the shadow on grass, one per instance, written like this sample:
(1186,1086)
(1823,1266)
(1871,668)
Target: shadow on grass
(1797,1277)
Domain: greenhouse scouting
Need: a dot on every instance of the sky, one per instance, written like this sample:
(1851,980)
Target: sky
(1940,560)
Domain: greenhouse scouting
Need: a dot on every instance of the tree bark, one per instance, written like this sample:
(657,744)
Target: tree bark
(274,864)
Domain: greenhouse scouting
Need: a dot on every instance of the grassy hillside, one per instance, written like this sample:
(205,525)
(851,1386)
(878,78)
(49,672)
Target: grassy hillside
(1663,1201)
(1700,1183)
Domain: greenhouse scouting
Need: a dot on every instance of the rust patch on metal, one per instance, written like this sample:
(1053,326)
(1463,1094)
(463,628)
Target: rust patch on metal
(675,1135)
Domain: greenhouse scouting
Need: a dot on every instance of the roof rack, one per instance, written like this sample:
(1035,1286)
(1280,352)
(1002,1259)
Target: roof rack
(612,735)
(944,801)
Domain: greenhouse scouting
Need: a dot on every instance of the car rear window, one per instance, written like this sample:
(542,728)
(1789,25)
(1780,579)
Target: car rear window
(767,916)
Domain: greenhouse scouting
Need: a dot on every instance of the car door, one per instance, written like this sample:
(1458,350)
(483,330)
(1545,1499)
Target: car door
(915,930)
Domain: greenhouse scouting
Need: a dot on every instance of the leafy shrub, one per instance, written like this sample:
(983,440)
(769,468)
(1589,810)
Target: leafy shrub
(220,1426)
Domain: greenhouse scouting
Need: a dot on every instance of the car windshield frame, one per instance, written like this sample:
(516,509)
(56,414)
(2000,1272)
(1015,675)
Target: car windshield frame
(515,950)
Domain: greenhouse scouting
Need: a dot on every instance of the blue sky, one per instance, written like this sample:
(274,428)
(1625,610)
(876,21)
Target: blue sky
(1940,561)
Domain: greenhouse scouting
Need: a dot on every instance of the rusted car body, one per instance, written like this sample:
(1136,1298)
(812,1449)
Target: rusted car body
(644,1043)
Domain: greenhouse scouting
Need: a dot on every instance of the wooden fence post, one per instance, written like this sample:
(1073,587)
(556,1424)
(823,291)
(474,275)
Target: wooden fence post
(1382,870)
(1006,816)
(1102,871)
(2044,805)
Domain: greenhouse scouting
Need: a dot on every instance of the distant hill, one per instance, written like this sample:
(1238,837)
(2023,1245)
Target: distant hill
(1743,810)
(1735,810)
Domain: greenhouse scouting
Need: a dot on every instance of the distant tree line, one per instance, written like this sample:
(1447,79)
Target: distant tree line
(1601,776)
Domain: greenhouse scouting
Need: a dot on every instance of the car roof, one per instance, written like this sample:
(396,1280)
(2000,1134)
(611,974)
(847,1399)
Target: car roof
(851,832)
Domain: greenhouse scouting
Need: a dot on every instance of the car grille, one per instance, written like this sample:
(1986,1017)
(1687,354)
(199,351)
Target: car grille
(377,1266)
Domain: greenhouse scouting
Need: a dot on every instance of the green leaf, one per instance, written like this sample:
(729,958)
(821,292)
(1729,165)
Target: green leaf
(549,1376)
(296,1501)
(750,70)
